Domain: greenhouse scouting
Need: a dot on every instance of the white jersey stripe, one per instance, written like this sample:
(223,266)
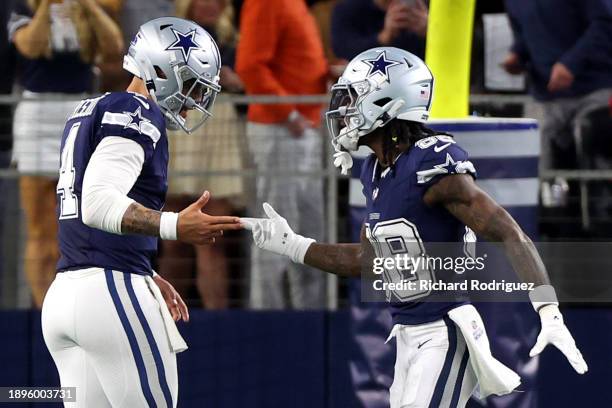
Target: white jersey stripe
(123,119)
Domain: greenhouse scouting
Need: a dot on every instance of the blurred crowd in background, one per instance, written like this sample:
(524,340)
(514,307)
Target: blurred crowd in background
(54,52)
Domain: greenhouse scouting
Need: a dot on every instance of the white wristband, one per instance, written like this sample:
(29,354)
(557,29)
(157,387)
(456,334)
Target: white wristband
(542,296)
(168,225)
(299,247)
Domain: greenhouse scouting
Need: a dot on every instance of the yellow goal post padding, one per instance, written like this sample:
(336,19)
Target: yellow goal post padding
(448,55)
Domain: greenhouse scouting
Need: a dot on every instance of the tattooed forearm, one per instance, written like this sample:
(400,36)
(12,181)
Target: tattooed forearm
(140,220)
(526,262)
(472,206)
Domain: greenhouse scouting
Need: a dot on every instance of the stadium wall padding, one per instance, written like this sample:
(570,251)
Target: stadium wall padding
(296,360)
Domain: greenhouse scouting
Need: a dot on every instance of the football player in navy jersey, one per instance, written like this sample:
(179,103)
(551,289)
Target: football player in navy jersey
(108,319)
(419,188)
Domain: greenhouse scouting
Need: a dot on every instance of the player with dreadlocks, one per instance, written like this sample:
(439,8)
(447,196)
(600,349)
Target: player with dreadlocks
(419,188)
(399,135)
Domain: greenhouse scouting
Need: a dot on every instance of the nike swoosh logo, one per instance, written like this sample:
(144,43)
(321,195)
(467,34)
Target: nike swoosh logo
(421,344)
(438,149)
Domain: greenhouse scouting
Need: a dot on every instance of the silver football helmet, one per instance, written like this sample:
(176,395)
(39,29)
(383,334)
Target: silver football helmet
(179,62)
(377,86)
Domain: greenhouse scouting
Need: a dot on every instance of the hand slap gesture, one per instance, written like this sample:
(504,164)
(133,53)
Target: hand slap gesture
(198,228)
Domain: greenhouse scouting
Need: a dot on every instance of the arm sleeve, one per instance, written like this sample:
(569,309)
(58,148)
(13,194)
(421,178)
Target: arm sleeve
(20,16)
(260,31)
(111,173)
(440,160)
(347,39)
(596,39)
(518,45)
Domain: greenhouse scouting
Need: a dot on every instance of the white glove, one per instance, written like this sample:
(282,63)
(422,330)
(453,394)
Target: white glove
(344,161)
(275,235)
(556,333)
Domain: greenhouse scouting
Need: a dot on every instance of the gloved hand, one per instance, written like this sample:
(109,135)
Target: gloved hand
(556,333)
(275,235)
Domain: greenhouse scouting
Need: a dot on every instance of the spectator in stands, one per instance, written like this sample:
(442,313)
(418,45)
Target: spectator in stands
(7,56)
(566,49)
(57,42)
(358,25)
(135,13)
(110,75)
(7,73)
(214,147)
(280,53)
(130,15)
(322,11)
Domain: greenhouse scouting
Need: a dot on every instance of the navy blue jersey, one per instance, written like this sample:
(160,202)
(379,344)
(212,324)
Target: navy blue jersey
(120,114)
(399,222)
(64,71)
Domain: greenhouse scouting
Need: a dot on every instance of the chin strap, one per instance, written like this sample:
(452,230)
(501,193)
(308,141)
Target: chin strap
(344,160)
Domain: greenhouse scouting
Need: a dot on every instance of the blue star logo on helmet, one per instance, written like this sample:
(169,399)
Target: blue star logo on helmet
(380,65)
(184,43)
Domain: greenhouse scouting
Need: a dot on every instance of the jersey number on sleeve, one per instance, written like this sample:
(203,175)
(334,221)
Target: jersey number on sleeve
(69,202)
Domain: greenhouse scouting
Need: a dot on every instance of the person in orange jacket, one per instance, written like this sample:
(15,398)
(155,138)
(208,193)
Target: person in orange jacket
(280,52)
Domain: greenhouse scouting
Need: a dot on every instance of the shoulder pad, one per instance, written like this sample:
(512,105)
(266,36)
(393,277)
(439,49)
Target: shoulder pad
(441,155)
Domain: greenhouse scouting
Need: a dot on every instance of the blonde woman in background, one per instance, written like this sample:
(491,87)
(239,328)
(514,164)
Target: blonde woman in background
(57,42)
(215,147)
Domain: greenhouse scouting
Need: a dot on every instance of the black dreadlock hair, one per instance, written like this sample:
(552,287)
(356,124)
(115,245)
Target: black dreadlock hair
(398,132)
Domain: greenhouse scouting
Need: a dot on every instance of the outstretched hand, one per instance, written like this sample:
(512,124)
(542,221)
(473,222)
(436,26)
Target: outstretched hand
(275,235)
(198,228)
(267,232)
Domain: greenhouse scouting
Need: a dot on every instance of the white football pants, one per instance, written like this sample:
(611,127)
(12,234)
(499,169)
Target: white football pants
(432,367)
(105,332)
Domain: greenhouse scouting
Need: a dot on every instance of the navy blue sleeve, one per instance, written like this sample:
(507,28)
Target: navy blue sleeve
(21,15)
(132,117)
(441,156)
(597,39)
(518,45)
